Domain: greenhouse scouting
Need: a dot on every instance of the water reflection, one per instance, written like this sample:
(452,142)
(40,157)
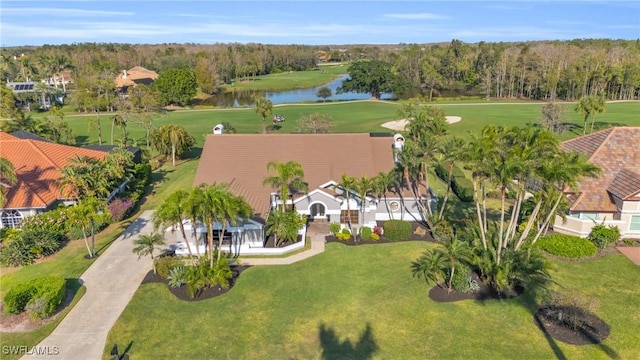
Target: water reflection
(245,98)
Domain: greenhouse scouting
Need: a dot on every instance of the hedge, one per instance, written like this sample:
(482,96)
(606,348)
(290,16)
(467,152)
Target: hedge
(365,233)
(397,230)
(460,185)
(46,293)
(567,246)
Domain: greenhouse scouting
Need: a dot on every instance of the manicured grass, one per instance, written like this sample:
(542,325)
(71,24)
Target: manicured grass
(325,303)
(362,116)
(289,81)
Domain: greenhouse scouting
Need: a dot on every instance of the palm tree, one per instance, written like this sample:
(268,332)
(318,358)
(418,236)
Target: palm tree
(173,212)
(59,64)
(381,184)
(346,184)
(362,186)
(85,215)
(8,178)
(121,122)
(455,252)
(589,106)
(206,201)
(83,177)
(172,140)
(289,178)
(227,209)
(451,151)
(146,244)
(432,265)
(264,107)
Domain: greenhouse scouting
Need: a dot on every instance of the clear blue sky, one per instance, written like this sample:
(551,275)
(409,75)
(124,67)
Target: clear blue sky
(313,22)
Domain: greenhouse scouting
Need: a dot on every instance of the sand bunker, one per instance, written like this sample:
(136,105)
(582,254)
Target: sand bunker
(399,125)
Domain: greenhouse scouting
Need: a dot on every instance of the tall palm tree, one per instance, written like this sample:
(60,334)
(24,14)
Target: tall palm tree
(121,122)
(59,64)
(8,178)
(289,178)
(207,200)
(450,151)
(227,209)
(85,215)
(362,187)
(346,183)
(84,177)
(146,244)
(173,212)
(382,182)
(588,106)
(264,107)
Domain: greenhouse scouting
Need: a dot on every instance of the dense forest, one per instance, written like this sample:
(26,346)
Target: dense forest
(547,70)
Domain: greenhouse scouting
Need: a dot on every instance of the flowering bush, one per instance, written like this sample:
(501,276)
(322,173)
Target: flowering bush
(119,208)
(378,231)
(344,235)
(375,237)
(54,221)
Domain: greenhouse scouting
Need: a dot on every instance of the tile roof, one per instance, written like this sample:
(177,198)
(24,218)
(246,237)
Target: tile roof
(37,165)
(136,75)
(241,159)
(617,152)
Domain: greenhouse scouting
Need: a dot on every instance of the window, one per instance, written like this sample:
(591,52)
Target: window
(11,219)
(346,214)
(634,224)
(588,216)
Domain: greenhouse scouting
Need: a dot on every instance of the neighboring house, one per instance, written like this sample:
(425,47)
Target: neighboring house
(613,197)
(63,79)
(44,94)
(37,164)
(134,76)
(241,161)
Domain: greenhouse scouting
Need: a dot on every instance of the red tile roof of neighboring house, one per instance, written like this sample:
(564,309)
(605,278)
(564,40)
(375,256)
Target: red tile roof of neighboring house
(241,160)
(617,152)
(37,165)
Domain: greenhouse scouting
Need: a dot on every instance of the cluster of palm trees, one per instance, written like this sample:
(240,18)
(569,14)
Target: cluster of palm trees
(204,204)
(524,164)
(90,181)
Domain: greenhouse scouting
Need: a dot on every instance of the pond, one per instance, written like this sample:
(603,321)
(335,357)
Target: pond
(245,98)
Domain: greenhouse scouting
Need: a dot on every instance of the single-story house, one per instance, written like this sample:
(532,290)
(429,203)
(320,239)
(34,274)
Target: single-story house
(240,160)
(613,197)
(37,164)
(134,76)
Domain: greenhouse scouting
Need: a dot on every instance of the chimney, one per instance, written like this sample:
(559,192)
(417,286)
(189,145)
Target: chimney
(124,74)
(398,144)
(218,129)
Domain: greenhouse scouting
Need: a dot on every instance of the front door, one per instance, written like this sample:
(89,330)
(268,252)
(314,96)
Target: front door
(318,211)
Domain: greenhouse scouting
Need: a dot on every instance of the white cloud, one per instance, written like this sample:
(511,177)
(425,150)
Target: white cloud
(417,16)
(59,12)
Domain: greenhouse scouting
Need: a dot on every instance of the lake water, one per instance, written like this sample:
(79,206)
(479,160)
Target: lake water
(245,98)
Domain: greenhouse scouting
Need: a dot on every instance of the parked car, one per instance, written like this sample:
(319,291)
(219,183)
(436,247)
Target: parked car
(180,249)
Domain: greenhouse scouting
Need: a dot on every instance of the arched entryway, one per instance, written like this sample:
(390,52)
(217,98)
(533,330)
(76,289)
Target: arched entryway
(317,211)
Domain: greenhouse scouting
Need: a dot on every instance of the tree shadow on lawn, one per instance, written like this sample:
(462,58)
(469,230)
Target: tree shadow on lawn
(333,348)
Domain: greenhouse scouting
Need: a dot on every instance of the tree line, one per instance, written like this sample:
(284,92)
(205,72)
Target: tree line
(545,70)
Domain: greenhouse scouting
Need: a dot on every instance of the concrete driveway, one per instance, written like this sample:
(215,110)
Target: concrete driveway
(111,281)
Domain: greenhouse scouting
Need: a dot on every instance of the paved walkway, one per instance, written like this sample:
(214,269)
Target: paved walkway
(633,253)
(316,231)
(111,281)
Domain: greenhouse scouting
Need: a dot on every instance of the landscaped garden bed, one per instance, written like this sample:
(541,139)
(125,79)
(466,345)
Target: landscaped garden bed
(418,233)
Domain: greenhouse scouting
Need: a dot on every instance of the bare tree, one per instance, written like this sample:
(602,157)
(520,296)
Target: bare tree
(315,124)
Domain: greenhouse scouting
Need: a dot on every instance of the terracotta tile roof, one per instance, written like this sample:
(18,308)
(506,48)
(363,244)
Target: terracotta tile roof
(617,152)
(625,185)
(241,159)
(37,165)
(136,75)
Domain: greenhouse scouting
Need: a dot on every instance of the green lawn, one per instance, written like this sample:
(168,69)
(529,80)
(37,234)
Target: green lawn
(289,81)
(360,116)
(326,303)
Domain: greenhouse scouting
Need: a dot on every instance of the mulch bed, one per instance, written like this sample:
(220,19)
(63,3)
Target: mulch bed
(589,329)
(440,293)
(207,293)
(270,243)
(419,233)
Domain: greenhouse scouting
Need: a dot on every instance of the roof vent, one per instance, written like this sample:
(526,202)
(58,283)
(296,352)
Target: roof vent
(218,129)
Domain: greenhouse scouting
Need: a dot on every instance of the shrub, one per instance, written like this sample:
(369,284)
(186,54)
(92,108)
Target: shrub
(365,233)
(460,185)
(344,235)
(462,278)
(602,235)
(397,230)
(119,208)
(17,253)
(375,237)
(377,230)
(39,296)
(567,246)
(165,264)
(334,228)
(177,276)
